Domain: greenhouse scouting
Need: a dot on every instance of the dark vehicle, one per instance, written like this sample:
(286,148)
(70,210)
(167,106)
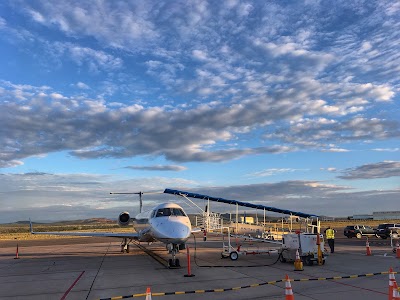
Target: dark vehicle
(358,231)
(385,230)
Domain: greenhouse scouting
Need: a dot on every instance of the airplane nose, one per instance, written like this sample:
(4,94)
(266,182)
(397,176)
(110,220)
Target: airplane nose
(174,231)
(179,231)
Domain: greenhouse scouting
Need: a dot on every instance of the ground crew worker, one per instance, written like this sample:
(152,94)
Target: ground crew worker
(330,236)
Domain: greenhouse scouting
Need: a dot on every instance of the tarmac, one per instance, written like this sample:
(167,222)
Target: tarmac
(94,268)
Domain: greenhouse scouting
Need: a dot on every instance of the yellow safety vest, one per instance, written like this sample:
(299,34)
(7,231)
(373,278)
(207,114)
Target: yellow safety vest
(330,233)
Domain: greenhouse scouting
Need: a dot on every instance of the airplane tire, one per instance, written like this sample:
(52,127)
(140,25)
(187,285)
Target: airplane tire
(127,248)
(174,264)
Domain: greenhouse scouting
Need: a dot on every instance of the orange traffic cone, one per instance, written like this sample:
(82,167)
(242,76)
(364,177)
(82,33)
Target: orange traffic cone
(16,253)
(396,293)
(369,253)
(397,250)
(392,281)
(298,264)
(148,293)
(288,289)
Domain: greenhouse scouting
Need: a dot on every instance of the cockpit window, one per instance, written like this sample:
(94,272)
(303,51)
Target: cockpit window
(178,212)
(165,212)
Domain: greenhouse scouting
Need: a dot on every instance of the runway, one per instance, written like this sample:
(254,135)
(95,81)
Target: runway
(94,268)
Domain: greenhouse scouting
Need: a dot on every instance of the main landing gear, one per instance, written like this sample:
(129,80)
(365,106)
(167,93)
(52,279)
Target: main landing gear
(125,245)
(173,249)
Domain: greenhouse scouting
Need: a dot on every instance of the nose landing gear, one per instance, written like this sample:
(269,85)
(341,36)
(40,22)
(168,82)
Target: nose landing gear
(173,249)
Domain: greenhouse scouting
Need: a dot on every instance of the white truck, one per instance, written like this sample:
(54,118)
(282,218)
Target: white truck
(306,244)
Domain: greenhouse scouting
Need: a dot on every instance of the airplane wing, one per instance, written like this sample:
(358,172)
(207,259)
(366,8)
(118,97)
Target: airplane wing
(127,235)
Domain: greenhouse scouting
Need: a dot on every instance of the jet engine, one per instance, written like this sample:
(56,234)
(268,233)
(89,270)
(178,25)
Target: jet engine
(123,219)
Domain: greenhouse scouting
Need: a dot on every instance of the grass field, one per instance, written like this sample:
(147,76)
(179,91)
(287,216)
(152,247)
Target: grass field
(21,231)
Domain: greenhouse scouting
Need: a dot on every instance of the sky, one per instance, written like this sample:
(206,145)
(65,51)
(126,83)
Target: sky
(290,104)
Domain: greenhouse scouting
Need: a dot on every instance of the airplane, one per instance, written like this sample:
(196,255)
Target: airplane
(167,223)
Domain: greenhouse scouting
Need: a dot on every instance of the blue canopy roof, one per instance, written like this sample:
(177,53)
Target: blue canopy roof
(240,203)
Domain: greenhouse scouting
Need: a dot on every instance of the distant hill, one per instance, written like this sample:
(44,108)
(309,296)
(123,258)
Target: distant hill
(22,222)
(73,222)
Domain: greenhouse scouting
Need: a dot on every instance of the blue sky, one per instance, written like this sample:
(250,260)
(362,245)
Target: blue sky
(294,104)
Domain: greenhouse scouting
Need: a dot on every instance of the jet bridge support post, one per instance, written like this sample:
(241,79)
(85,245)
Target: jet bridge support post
(237,218)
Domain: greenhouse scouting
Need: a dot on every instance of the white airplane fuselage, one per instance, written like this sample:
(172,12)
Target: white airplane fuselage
(166,223)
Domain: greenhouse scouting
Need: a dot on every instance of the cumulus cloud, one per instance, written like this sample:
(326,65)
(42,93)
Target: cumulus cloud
(286,85)
(197,81)
(82,85)
(309,48)
(49,195)
(55,213)
(330,169)
(335,150)
(175,34)
(175,168)
(94,59)
(5,163)
(386,149)
(272,172)
(40,121)
(2,22)
(119,26)
(200,55)
(385,169)
(54,197)
(321,132)
(306,196)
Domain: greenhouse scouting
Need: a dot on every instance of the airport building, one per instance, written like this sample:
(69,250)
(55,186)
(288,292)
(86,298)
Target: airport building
(362,217)
(378,215)
(386,215)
